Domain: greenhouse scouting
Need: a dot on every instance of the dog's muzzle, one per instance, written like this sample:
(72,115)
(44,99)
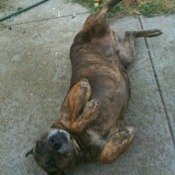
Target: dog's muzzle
(59,140)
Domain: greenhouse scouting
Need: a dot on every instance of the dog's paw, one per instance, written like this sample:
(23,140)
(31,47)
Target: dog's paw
(153,33)
(92,107)
(84,83)
(157,32)
(117,144)
(89,114)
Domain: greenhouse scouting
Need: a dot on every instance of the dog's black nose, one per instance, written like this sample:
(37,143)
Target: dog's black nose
(55,142)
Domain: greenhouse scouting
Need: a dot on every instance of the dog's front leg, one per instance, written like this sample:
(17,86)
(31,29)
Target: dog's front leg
(118,142)
(77,111)
(89,114)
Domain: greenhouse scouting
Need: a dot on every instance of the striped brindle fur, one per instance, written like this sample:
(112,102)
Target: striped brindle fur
(88,128)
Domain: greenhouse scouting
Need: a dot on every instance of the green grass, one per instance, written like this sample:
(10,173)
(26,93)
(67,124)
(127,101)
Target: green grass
(154,7)
(120,8)
(147,8)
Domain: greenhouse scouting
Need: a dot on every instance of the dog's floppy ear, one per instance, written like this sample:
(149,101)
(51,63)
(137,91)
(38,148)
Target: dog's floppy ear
(29,152)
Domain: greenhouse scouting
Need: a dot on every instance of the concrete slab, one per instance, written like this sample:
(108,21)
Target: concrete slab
(152,152)
(163,56)
(34,76)
(49,9)
(35,72)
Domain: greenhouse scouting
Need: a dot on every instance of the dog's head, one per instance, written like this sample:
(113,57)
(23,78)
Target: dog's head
(55,151)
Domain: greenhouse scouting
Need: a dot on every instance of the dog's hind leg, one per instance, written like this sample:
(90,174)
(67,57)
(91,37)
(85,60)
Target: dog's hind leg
(129,43)
(96,24)
(117,144)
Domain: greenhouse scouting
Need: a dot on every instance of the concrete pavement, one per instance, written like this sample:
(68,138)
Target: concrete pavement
(34,78)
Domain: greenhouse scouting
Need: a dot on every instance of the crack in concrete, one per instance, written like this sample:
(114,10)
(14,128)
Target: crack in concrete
(158,86)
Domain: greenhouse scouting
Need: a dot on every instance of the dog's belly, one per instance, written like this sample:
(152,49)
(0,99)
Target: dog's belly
(109,83)
(113,99)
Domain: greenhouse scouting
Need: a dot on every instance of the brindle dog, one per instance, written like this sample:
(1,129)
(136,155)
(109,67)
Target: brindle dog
(88,126)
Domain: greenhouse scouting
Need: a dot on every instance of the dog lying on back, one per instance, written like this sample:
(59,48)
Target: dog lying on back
(88,126)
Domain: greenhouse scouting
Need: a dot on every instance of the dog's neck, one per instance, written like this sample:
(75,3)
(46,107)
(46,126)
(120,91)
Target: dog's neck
(85,152)
(78,154)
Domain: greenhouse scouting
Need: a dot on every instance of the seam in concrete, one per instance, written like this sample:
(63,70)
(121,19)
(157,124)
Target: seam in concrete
(158,86)
(50,18)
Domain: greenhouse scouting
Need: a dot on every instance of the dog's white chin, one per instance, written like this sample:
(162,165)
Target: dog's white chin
(55,131)
(71,140)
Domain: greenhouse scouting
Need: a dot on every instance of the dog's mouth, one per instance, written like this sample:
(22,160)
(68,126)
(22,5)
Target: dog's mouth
(59,141)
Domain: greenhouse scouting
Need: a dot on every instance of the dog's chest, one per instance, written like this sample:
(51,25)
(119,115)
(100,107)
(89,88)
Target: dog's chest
(91,144)
(95,138)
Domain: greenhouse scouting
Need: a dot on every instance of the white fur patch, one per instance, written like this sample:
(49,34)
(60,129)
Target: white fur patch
(66,133)
(52,132)
(55,131)
(95,138)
